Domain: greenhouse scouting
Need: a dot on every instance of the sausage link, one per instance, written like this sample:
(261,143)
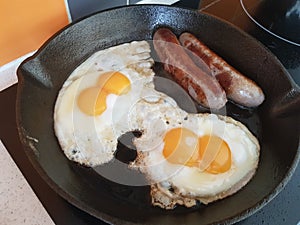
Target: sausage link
(238,88)
(204,88)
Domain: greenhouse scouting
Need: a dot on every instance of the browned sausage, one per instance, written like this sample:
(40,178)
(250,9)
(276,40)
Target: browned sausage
(238,88)
(204,88)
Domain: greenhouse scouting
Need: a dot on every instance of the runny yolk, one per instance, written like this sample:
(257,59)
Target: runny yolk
(209,153)
(92,100)
(180,146)
(114,83)
(215,155)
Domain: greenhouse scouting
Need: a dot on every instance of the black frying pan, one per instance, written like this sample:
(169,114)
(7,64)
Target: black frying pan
(275,123)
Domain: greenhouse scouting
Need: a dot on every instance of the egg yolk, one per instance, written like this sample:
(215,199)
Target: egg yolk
(114,83)
(180,146)
(214,154)
(92,100)
(209,152)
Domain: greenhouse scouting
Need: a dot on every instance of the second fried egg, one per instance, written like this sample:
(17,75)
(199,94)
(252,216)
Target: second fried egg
(194,156)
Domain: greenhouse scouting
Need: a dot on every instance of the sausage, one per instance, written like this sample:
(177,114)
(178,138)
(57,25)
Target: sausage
(238,88)
(202,87)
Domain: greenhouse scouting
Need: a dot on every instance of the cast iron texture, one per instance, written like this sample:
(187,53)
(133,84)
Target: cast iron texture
(41,77)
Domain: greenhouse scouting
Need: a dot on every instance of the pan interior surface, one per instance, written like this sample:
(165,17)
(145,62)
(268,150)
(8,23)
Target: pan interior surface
(41,77)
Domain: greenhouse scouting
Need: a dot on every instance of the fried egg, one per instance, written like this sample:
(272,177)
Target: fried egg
(91,108)
(193,157)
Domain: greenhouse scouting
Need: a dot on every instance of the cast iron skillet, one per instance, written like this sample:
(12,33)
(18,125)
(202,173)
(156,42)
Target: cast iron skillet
(275,123)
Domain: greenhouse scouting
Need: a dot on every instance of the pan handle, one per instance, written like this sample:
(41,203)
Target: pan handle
(31,69)
(289,104)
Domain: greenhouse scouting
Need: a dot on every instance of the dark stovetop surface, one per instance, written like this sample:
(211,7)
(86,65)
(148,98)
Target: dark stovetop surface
(284,209)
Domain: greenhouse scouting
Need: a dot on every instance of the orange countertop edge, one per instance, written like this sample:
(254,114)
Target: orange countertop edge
(26,25)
